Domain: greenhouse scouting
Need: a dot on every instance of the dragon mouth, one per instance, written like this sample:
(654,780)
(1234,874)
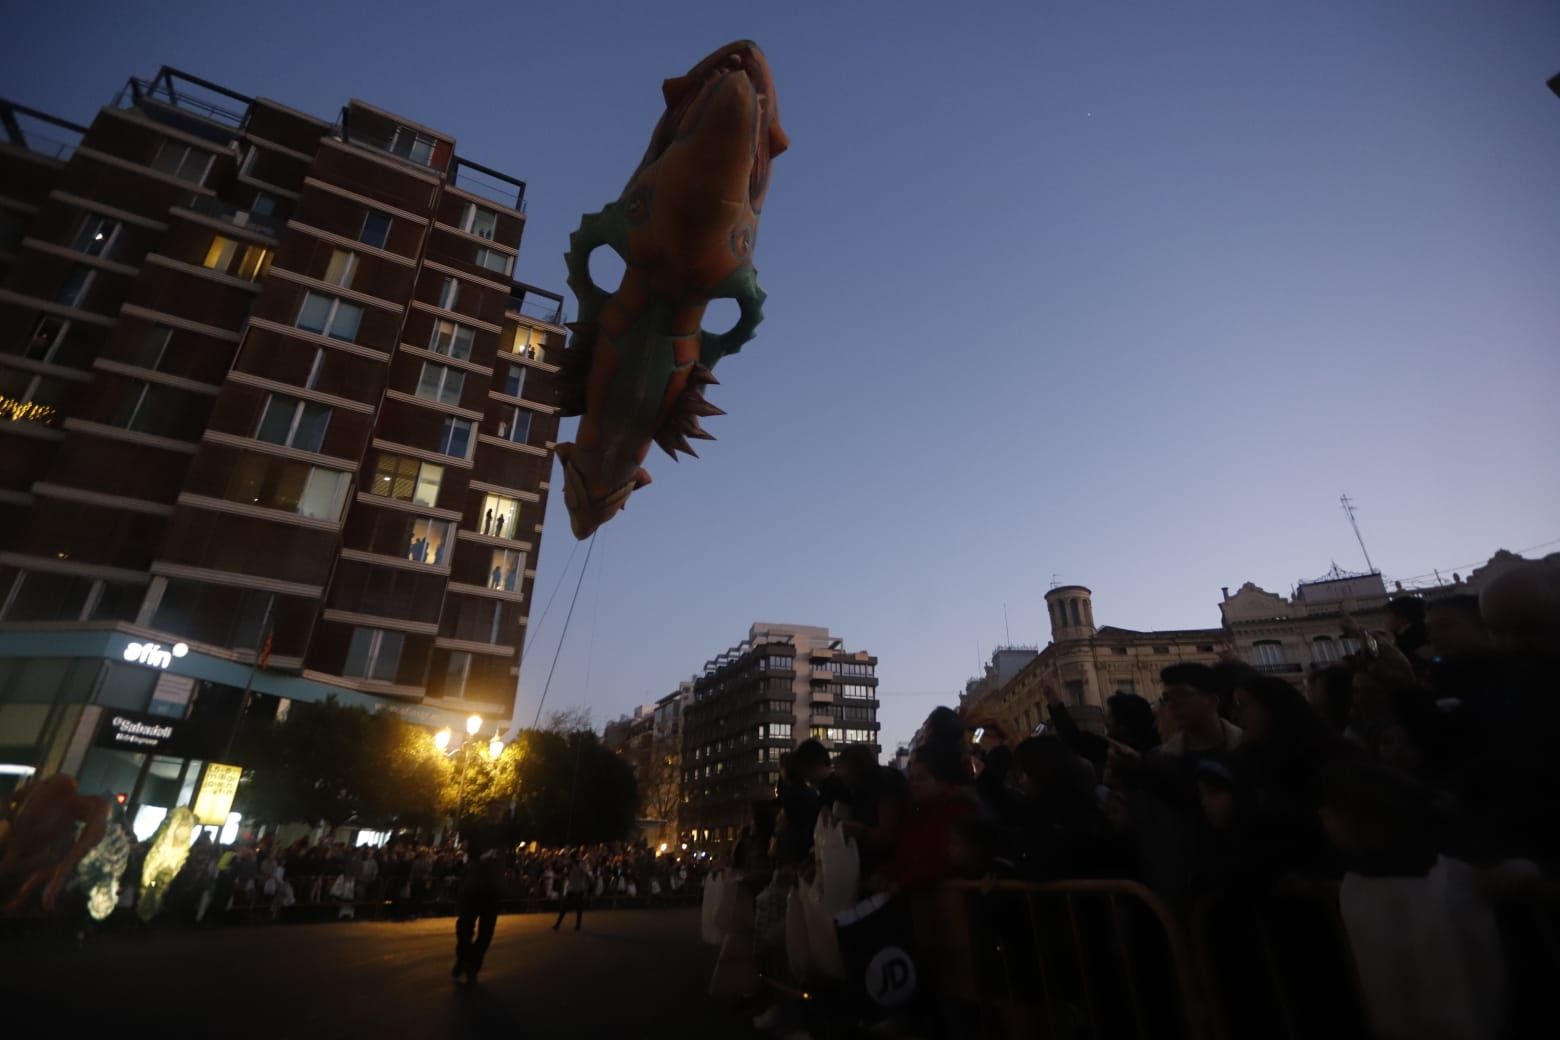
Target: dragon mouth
(586,513)
(684,92)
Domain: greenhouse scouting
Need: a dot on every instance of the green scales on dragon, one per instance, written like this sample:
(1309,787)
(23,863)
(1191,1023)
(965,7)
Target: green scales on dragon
(685,227)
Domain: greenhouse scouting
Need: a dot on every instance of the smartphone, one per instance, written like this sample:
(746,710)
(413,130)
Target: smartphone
(980,732)
(1372,648)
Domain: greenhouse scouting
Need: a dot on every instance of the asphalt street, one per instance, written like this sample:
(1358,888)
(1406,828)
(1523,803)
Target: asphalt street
(639,973)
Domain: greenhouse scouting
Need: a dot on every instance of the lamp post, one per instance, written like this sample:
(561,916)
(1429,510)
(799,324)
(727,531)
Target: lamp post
(442,740)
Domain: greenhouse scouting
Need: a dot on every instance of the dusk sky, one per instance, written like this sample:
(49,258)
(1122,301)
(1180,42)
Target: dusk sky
(1126,294)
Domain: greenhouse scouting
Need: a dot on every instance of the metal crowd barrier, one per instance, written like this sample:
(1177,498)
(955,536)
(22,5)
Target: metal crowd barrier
(1063,959)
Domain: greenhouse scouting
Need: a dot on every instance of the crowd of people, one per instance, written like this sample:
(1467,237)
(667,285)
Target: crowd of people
(1424,755)
(265,880)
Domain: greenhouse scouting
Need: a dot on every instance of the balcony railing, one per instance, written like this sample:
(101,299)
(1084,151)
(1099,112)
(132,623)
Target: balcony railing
(1281,669)
(213,207)
(488,183)
(174,97)
(38,131)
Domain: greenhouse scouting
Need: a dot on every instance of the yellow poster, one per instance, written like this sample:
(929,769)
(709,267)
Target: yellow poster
(215,799)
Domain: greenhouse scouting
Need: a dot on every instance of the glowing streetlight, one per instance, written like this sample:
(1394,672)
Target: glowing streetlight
(473,724)
(495,746)
(441,739)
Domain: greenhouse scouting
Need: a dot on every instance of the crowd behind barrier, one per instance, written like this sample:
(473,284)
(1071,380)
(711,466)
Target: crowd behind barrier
(1372,854)
(253,882)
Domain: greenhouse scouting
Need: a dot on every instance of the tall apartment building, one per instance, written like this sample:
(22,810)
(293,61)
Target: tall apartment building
(278,419)
(758,700)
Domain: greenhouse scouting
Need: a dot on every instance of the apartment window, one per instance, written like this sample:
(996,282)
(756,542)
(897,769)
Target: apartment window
(409,144)
(856,692)
(500,514)
(182,161)
(506,566)
(774,731)
(455,438)
(451,339)
(1077,617)
(428,541)
(374,653)
(1074,688)
(515,425)
(142,405)
(342,267)
(151,350)
(295,423)
(1205,648)
(330,316)
(441,383)
(25,388)
(315,364)
(1126,686)
(13,227)
(294,487)
(97,236)
(1162,650)
(264,204)
(456,672)
(47,337)
(529,342)
(449,289)
(376,229)
(858,736)
(1268,652)
(493,260)
(249,262)
(514,381)
(1324,650)
(1119,651)
(221,253)
(406,480)
(77,284)
(479,221)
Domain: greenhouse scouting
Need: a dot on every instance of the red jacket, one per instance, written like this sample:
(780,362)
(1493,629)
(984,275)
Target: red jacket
(923,854)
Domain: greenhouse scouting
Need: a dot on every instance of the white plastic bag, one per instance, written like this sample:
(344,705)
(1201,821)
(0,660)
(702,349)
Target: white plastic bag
(715,892)
(832,891)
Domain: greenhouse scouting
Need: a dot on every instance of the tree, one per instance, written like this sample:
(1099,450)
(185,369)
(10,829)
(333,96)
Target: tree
(661,789)
(330,764)
(487,780)
(572,790)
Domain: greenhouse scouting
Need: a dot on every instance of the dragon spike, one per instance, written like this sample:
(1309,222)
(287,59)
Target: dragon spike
(672,442)
(698,431)
(695,403)
(702,374)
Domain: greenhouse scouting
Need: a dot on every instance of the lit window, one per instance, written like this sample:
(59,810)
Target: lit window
(493,260)
(515,426)
(376,229)
(343,265)
(294,423)
(330,316)
(428,541)
(221,253)
(500,514)
(97,235)
(407,480)
(374,653)
(441,383)
(506,567)
(182,161)
(479,221)
(254,265)
(77,284)
(451,339)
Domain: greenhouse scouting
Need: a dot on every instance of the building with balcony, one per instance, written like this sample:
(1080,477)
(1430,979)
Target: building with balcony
(756,701)
(272,398)
(1087,664)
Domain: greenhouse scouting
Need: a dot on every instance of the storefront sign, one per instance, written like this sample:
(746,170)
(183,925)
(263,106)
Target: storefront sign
(132,731)
(153,654)
(215,799)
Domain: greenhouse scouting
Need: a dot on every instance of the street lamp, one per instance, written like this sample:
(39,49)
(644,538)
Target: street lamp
(473,723)
(441,739)
(496,745)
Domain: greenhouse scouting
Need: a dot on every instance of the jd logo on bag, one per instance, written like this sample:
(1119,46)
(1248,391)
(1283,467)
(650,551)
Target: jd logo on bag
(891,977)
(878,947)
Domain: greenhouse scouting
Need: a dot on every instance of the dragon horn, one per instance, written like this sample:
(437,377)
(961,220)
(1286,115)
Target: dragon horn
(702,374)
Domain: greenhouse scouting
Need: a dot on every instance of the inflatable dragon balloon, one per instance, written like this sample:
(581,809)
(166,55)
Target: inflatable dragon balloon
(685,226)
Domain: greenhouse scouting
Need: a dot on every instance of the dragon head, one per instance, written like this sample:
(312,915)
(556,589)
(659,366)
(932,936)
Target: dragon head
(591,495)
(694,201)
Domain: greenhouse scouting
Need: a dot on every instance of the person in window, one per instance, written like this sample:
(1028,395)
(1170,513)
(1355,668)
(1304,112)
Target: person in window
(498,577)
(487,523)
(498,526)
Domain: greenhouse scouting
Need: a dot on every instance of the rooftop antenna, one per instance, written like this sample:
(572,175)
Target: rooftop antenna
(1005,626)
(1055,579)
(1348,508)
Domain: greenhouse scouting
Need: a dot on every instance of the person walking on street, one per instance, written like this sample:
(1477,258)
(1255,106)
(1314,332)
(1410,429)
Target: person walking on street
(574,891)
(481,891)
